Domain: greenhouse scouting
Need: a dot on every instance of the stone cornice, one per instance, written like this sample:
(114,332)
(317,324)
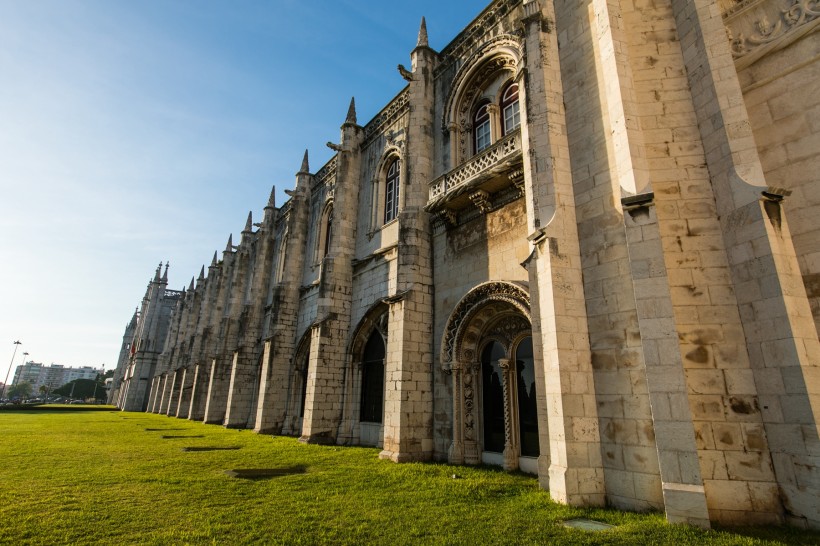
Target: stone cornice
(327,173)
(388,115)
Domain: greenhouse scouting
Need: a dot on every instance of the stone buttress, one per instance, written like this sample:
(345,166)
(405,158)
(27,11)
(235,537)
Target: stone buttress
(329,333)
(222,347)
(408,401)
(283,299)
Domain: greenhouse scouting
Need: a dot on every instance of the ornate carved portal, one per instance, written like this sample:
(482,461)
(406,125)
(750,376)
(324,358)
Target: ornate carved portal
(487,348)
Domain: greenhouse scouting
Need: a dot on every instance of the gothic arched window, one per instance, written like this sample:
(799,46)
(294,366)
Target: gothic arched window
(372,399)
(328,231)
(325,232)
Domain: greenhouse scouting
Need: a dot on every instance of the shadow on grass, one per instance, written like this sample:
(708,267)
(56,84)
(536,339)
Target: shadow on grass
(265,473)
(211,448)
(785,534)
(173,437)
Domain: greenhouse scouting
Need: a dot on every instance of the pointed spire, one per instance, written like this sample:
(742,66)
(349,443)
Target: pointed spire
(229,247)
(422,41)
(249,222)
(305,165)
(165,275)
(351,111)
(272,198)
(159,270)
(202,273)
(191,286)
(213,262)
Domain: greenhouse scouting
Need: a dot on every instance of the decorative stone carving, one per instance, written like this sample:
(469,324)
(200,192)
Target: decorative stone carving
(509,328)
(406,74)
(389,114)
(327,174)
(481,199)
(757,27)
(476,31)
(510,452)
(493,291)
(517,178)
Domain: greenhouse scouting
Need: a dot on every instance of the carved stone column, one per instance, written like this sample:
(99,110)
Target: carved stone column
(495,122)
(470,384)
(452,128)
(456,455)
(510,451)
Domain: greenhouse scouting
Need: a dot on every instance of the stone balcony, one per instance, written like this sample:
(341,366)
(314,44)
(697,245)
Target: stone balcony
(495,168)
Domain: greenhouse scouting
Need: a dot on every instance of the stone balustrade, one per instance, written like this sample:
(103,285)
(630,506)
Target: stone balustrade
(484,165)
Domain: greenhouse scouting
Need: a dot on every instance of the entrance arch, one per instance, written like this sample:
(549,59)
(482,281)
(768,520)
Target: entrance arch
(487,347)
(363,409)
(297,389)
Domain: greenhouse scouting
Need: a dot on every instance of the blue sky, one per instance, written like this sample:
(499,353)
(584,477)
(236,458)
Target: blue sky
(138,132)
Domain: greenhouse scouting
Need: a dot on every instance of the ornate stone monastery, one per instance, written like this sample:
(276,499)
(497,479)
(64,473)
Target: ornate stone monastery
(583,242)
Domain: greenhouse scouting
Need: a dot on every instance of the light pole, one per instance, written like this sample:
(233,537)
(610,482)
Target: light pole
(25,354)
(6,382)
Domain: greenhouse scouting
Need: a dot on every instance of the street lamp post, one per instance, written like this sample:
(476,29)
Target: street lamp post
(25,355)
(6,382)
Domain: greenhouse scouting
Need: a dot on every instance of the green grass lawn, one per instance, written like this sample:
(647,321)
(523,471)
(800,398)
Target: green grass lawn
(106,477)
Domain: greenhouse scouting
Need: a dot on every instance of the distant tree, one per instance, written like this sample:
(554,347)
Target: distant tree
(20,390)
(82,389)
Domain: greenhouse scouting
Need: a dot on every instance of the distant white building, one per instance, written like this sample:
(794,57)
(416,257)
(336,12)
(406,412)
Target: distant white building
(53,376)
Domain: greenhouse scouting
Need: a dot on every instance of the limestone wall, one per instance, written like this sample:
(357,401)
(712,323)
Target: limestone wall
(781,96)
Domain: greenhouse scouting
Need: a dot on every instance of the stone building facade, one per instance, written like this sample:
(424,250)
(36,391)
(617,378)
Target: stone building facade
(582,241)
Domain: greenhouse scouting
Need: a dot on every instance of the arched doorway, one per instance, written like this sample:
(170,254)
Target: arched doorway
(363,410)
(489,351)
(297,391)
(371,402)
